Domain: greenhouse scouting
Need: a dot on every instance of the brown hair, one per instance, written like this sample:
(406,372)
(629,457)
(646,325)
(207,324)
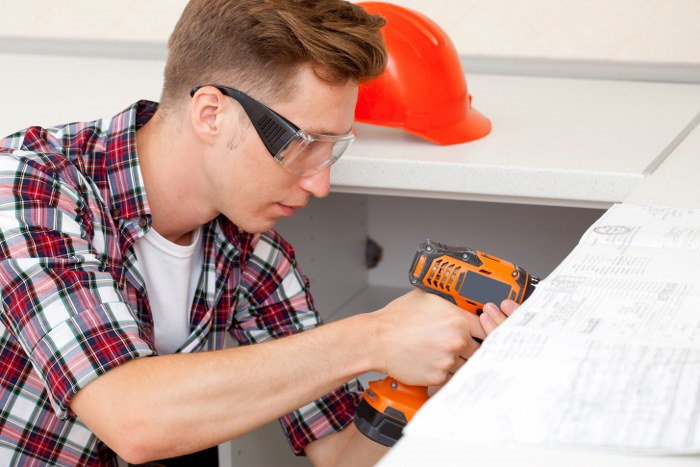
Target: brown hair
(259,44)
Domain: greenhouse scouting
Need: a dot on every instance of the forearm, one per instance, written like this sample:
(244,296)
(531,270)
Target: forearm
(175,404)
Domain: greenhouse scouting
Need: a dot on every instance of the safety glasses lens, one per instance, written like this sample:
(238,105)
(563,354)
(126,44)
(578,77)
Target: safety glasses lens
(305,156)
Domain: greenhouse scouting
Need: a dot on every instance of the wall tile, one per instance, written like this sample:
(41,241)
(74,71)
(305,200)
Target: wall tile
(623,30)
(674,33)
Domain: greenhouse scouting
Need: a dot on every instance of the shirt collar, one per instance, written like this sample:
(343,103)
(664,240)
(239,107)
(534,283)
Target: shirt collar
(240,240)
(126,188)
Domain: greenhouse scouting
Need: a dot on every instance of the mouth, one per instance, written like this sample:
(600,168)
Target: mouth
(289,210)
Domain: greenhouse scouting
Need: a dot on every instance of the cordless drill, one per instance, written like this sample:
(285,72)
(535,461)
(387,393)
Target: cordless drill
(469,279)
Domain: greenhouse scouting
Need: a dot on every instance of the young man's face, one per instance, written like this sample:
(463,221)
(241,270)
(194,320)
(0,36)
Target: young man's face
(247,184)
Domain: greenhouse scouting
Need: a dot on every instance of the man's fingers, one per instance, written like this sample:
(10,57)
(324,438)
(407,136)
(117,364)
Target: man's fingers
(494,313)
(471,346)
(491,318)
(476,330)
(487,323)
(508,307)
(460,361)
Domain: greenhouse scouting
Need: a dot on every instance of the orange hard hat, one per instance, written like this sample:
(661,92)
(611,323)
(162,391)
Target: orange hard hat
(423,89)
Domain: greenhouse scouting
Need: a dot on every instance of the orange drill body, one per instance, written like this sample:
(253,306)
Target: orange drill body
(469,279)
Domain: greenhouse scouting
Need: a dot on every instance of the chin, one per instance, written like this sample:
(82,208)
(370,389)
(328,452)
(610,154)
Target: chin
(255,226)
(252,221)
(258,229)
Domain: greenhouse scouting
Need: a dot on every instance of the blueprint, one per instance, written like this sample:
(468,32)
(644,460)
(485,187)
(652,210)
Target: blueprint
(605,353)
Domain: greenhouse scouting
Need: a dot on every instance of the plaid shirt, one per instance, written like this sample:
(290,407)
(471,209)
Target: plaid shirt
(74,305)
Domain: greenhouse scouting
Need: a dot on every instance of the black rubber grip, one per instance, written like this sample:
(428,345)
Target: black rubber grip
(377,426)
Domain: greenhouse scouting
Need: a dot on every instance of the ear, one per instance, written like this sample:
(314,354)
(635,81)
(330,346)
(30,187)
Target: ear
(206,113)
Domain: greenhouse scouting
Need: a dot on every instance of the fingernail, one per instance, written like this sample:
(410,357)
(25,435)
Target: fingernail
(490,307)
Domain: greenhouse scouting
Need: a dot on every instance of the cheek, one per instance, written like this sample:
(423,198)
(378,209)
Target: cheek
(248,178)
(256,177)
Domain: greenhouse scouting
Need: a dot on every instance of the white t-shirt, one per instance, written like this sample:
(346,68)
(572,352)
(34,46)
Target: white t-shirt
(171,273)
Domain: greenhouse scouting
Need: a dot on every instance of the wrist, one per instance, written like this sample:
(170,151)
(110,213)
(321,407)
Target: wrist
(366,340)
(374,339)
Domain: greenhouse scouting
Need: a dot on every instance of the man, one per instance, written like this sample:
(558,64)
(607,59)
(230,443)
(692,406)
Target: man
(130,246)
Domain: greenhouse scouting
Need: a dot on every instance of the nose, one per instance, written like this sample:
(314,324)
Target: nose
(318,184)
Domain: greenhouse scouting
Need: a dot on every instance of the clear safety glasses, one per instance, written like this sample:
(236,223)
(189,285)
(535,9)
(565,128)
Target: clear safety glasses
(300,152)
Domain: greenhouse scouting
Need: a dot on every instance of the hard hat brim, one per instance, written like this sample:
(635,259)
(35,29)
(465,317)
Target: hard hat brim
(473,126)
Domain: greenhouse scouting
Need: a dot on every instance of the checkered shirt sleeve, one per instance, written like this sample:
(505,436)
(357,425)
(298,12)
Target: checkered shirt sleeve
(274,301)
(58,302)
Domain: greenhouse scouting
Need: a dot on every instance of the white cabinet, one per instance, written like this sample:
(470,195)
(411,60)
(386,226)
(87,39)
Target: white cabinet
(329,239)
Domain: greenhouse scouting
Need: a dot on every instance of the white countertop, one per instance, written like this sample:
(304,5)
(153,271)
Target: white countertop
(677,181)
(554,141)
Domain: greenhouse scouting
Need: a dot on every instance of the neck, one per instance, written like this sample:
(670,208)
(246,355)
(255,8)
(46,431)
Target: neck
(169,165)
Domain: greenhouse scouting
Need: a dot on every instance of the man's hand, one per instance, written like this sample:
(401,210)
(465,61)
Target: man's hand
(421,338)
(490,319)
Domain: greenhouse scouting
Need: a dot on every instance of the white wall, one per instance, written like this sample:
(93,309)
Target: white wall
(657,31)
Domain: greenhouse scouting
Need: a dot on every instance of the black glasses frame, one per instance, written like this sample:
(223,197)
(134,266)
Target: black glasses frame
(274,130)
